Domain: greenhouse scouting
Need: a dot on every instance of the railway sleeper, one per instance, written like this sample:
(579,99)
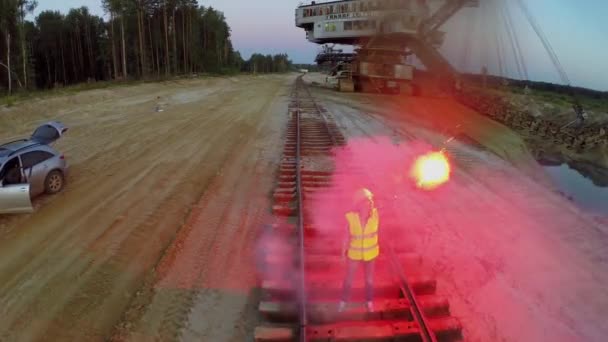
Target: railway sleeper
(280,289)
(325,197)
(313,122)
(277,257)
(283,209)
(282,198)
(315,151)
(317,173)
(287,163)
(315,137)
(323,147)
(330,246)
(313,125)
(312,118)
(307,177)
(330,262)
(287,178)
(306,104)
(285,191)
(317,145)
(286,185)
(321,144)
(327,312)
(314,132)
(291,230)
(307,190)
(316,184)
(325,262)
(287,170)
(446,330)
(317,142)
(311,134)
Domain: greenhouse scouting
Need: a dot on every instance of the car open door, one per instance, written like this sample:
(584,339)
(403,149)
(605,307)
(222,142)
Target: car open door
(15,199)
(49,132)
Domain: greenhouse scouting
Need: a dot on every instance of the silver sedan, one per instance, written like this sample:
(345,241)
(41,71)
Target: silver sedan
(31,167)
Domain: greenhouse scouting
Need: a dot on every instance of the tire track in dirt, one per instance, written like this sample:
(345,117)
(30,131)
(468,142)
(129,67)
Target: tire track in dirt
(68,234)
(178,305)
(116,157)
(71,266)
(97,143)
(202,256)
(231,271)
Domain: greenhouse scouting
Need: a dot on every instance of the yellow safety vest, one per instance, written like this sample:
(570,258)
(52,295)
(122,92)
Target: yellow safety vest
(363,240)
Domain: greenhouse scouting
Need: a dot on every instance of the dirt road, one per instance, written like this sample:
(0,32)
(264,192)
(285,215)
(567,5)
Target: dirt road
(141,158)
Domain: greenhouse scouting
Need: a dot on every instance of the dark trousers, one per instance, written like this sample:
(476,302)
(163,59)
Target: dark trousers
(369,279)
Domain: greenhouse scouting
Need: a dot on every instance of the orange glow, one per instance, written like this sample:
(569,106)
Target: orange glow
(431,170)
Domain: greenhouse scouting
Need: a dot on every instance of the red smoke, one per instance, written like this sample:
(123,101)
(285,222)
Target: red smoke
(379,165)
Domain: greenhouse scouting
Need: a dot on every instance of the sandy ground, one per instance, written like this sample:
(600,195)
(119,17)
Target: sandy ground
(518,262)
(85,260)
(153,239)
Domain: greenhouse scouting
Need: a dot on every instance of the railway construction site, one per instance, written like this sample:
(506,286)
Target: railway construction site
(307,206)
(174,224)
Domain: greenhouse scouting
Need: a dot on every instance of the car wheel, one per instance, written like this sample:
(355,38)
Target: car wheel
(54,182)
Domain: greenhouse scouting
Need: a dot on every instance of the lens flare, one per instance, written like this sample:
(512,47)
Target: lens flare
(431,170)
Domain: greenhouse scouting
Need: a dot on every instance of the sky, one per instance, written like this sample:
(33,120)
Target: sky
(577,31)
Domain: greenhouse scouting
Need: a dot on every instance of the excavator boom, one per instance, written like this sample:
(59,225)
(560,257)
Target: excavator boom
(441,16)
(385,32)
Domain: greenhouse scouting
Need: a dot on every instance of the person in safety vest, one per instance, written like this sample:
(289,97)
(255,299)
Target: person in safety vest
(362,247)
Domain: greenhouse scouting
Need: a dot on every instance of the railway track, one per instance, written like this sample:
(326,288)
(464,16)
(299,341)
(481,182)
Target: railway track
(303,270)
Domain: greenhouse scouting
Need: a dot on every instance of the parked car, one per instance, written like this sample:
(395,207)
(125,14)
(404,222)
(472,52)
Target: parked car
(335,80)
(31,167)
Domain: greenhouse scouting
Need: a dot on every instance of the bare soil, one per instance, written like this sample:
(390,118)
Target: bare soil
(517,261)
(141,158)
(155,236)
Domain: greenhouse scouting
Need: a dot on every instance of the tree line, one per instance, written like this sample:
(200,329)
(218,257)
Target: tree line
(498,81)
(308,67)
(259,63)
(138,39)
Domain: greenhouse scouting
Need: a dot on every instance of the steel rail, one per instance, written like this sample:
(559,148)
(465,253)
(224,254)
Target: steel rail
(426,334)
(301,85)
(302,264)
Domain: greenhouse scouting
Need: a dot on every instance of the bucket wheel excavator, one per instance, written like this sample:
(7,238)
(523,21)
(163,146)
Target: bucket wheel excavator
(385,33)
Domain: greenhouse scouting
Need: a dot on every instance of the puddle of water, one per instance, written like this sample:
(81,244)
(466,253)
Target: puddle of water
(582,190)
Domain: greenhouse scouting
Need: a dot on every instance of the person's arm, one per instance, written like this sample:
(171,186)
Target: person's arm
(344,245)
(345,238)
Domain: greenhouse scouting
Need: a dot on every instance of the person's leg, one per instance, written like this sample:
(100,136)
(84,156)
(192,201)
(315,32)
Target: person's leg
(369,283)
(351,267)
